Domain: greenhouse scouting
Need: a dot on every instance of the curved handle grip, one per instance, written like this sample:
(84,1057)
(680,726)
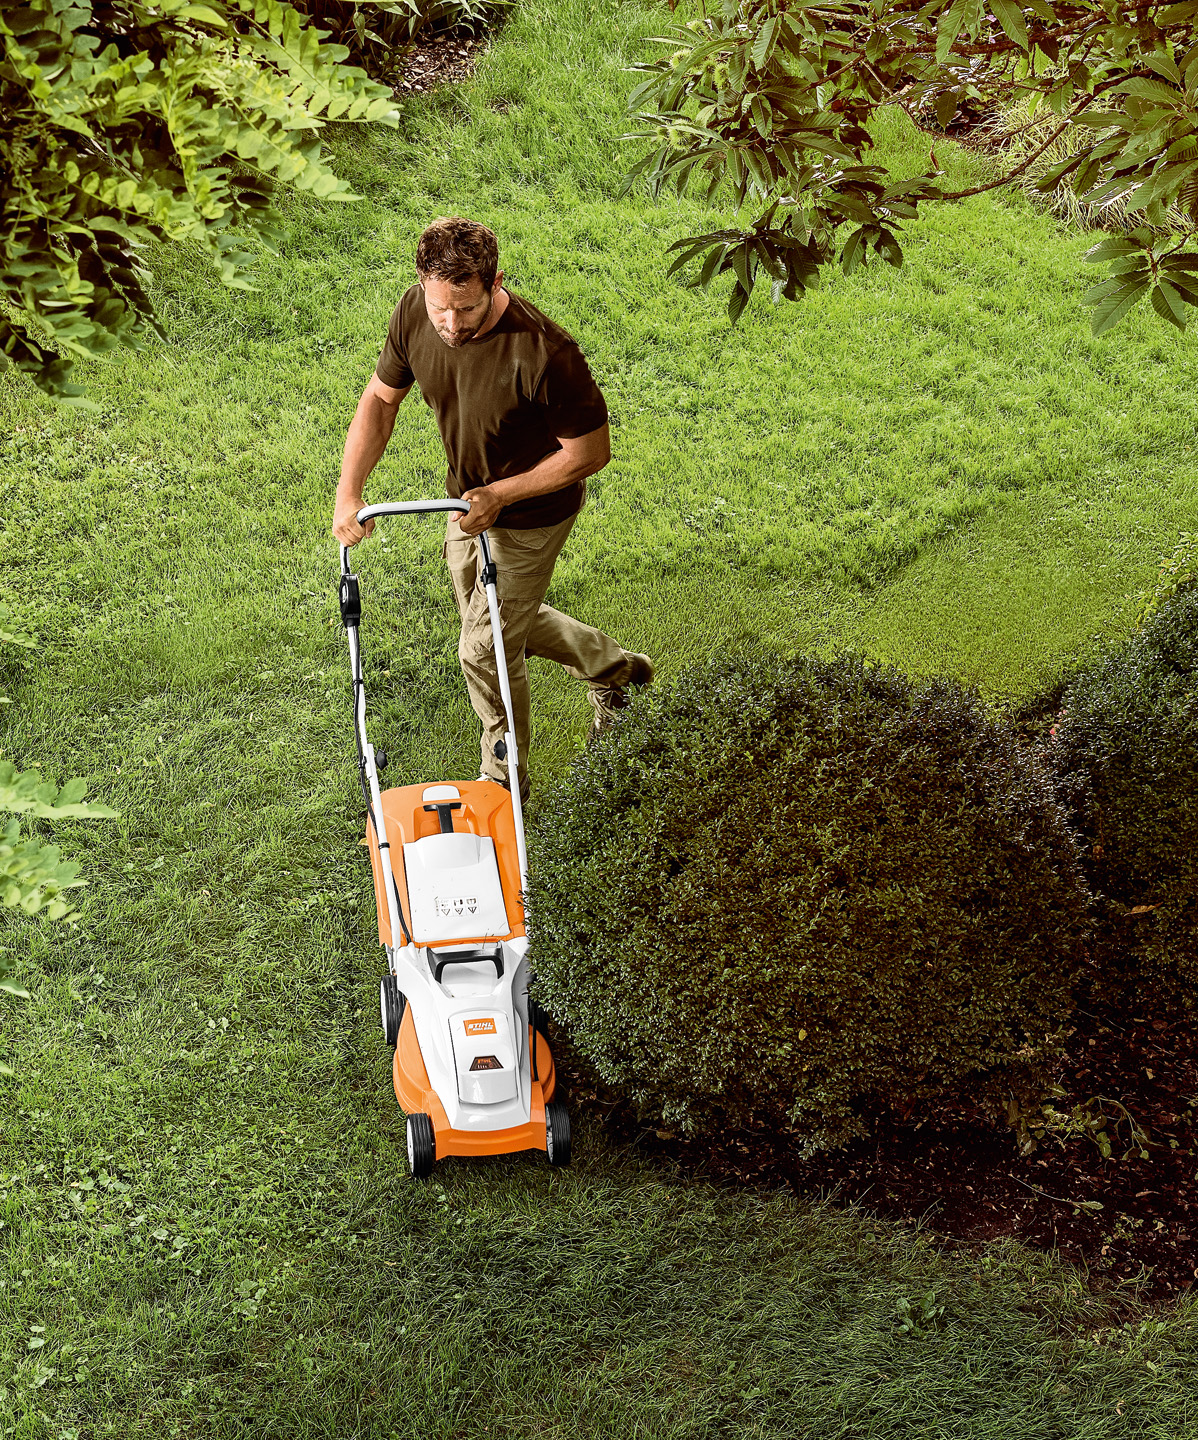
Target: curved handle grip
(410,507)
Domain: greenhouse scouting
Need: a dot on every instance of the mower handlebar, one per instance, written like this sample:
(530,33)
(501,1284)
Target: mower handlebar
(410,507)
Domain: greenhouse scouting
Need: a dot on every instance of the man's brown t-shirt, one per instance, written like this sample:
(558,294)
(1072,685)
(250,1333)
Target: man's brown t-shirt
(501,400)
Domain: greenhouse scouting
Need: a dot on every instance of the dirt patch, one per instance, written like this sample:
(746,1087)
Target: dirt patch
(1131,1221)
(434,60)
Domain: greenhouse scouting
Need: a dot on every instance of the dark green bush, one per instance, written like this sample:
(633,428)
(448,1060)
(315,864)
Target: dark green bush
(1125,757)
(790,892)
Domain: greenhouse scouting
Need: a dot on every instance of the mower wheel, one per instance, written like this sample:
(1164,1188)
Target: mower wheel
(557,1133)
(422,1146)
(391,1008)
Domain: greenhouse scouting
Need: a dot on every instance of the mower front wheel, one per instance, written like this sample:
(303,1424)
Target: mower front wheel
(557,1133)
(422,1146)
(391,1007)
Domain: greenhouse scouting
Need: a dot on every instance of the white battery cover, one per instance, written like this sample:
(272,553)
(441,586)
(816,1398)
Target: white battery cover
(453,888)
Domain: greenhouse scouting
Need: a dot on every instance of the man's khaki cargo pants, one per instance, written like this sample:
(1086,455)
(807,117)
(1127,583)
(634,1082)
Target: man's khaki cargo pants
(524,561)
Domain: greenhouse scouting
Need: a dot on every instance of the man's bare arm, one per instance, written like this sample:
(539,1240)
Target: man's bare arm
(369,431)
(579,457)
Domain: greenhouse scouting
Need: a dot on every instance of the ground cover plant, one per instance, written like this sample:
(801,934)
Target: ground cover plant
(202,1157)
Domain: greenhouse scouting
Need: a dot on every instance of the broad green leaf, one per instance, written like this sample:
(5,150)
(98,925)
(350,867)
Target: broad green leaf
(1110,247)
(737,302)
(764,44)
(27,793)
(1155,91)
(1164,65)
(1110,311)
(1168,304)
(1010,17)
(948,27)
(854,250)
(742,266)
(1164,183)
(712,264)
(10,634)
(946,108)
(204,14)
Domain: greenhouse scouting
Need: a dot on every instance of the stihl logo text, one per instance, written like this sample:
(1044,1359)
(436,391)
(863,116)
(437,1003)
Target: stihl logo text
(480,1027)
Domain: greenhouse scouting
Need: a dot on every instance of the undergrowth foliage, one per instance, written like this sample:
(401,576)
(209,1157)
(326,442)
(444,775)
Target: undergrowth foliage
(787,893)
(378,33)
(1125,753)
(122,123)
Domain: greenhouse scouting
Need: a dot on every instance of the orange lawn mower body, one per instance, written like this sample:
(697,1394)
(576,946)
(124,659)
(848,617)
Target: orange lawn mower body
(472,1070)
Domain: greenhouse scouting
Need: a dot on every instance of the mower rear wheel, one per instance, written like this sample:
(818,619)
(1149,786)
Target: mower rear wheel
(557,1133)
(422,1146)
(391,1008)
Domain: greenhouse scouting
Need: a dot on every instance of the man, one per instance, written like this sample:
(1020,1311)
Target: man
(524,425)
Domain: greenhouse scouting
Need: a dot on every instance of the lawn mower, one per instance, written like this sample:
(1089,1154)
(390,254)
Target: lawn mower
(473,1071)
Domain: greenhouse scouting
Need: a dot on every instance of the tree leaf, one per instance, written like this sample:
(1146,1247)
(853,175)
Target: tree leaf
(948,27)
(854,250)
(946,108)
(737,302)
(1168,304)
(1110,311)
(1010,17)
(764,44)
(1155,90)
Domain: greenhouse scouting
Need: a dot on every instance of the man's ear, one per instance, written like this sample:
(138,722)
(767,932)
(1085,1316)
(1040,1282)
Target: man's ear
(498,282)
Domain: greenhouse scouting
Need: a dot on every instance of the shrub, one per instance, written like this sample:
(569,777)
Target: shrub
(789,892)
(1177,573)
(1125,757)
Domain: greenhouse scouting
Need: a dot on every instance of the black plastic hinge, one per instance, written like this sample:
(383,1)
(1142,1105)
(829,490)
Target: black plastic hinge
(351,604)
(489,573)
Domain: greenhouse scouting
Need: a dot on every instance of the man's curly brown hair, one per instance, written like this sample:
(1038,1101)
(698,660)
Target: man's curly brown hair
(457,250)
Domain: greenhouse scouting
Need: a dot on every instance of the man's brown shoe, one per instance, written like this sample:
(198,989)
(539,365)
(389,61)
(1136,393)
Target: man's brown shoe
(608,700)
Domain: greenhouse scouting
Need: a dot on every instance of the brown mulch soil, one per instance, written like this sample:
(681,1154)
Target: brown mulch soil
(965,1180)
(442,59)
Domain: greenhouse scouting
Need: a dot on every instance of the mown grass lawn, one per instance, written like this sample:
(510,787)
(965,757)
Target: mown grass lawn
(207,1226)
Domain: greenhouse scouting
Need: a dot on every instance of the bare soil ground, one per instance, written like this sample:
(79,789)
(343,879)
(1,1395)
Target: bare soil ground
(444,59)
(964,1179)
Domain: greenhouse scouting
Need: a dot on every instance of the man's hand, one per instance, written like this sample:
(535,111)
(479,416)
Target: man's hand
(578,457)
(485,506)
(345,524)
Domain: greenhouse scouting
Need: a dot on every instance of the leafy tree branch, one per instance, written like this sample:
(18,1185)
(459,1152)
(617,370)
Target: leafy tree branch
(770,101)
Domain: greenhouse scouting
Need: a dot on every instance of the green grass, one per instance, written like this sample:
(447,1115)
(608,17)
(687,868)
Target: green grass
(202,1158)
